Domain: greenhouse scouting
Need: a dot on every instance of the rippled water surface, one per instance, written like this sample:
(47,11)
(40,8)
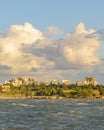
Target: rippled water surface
(48,114)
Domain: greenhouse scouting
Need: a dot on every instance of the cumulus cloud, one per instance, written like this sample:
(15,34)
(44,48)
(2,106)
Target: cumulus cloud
(80,50)
(25,49)
(80,29)
(10,45)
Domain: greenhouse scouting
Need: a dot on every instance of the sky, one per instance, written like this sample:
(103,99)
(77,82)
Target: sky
(52,39)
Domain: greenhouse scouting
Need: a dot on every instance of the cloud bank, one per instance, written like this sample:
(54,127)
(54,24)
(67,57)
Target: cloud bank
(25,50)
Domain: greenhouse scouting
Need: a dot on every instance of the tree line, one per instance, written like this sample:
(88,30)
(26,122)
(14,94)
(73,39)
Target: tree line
(61,90)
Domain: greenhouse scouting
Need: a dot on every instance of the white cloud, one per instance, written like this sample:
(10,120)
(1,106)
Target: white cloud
(81,29)
(26,50)
(80,50)
(11,54)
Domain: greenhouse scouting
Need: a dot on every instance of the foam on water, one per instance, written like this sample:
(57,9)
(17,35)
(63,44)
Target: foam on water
(22,104)
(82,103)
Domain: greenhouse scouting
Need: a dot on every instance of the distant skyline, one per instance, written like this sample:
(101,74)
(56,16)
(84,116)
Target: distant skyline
(44,39)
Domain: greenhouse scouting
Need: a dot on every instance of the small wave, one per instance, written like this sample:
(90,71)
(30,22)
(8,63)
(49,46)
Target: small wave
(74,112)
(14,103)
(59,113)
(23,104)
(82,103)
(100,108)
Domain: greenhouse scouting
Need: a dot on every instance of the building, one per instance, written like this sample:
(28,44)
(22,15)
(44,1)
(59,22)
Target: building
(17,81)
(54,82)
(90,80)
(87,81)
(47,83)
(79,83)
(66,82)
(23,81)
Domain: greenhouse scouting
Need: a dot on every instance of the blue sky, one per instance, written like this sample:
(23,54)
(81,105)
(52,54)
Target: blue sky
(63,16)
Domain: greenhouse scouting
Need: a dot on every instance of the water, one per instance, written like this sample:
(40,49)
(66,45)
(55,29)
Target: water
(48,114)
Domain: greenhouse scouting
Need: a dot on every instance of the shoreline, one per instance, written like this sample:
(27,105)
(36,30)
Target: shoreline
(44,97)
(29,97)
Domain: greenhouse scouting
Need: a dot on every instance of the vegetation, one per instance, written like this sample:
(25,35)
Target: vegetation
(68,91)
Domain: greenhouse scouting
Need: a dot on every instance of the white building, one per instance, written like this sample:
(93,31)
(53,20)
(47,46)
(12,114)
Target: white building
(54,82)
(66,82)
(17,81)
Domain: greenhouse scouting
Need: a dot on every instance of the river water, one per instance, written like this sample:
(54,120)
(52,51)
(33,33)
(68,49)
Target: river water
(48,114)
